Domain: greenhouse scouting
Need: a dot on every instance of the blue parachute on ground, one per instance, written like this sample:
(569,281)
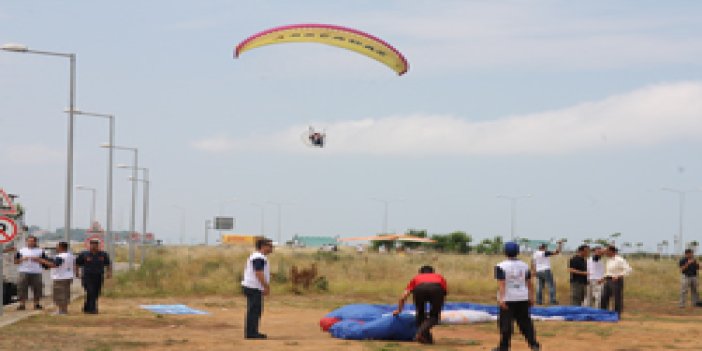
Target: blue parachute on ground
(376,322)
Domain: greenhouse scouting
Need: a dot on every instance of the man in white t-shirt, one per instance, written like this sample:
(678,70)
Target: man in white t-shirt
(595,277)
(515,297)
(541,264)
(257,277)
(62,275)
(28,261)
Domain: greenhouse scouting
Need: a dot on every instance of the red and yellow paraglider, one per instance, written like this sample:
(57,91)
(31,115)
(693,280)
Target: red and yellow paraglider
(347,38)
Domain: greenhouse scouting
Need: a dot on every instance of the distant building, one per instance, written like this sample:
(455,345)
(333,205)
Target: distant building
(313,241)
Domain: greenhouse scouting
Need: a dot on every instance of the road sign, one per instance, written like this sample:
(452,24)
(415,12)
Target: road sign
(224,223)
(8,230)
(135,236)
(149,237)
(6,205)
(94,237)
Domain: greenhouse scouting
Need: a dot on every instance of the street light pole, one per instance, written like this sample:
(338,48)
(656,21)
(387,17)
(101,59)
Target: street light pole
(386,207)
(92,208)
(513,212)
(69,147)
(280,220)
(182,223)
(110,152)
(263,218)
(145,206)
(132,217)
(679,244)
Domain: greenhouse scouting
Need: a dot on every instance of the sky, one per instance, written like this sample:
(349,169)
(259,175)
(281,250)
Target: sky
(589,107)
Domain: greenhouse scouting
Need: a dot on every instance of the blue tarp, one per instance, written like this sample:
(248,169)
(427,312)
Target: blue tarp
(375,322)
(172,309)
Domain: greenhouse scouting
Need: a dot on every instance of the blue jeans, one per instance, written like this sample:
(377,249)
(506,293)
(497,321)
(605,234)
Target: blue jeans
(545,277)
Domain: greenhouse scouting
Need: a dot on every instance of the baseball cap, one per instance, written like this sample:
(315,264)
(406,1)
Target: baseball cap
(511,249)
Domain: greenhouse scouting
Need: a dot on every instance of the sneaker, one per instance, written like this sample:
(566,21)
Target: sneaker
(536,348)
(21,308)
(257,336)
(38,307)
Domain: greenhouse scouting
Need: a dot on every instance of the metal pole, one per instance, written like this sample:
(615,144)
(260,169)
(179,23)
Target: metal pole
(145,214)
(132,217)
(207,231)
(110,169)
(513,224)
(280,223)
(682,220)
(69,151)
(92,209)
(385,217)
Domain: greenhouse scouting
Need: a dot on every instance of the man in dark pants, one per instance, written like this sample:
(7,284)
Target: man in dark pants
(93,263)
(516,296)
(615,271)
(578,275)
(430,287)
(255,285)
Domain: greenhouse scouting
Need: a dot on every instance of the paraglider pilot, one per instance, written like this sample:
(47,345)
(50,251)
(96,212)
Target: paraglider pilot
(430,287)
(316,138)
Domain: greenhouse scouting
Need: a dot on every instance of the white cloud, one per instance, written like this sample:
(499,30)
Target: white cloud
(647,116)
(33,154)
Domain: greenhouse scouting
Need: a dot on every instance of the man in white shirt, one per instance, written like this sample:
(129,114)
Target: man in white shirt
(62,275)
(30,270)
(541,264)
(255,285)
(515,297)
(616,269)
(595,277)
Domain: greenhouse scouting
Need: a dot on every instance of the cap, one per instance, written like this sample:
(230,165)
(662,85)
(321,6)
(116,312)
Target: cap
(511,249)
(96,241)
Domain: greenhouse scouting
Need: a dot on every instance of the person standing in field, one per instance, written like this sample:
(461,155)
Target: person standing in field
(516,296)
(62,275)
(578,275)
(255,285)
(30,270)
(541,264)
(90,266)
(615,270)
(595,277)
(426,287)
(689,268)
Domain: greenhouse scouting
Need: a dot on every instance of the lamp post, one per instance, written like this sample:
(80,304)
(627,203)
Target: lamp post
(182,223)
(92,208)
(513,212)
(681,213)
(386,210)
(20,48)
(108,219)
(132,216)
(145,207)
(280,220)
(263,218)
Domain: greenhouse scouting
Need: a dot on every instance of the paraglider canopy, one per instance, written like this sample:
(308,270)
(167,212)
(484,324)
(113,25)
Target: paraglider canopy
(347,38)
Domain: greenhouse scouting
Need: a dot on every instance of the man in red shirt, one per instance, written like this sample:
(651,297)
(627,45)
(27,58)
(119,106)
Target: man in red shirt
(430,287)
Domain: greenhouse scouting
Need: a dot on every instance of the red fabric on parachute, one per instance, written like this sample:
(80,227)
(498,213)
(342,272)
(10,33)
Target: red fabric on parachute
(327,322)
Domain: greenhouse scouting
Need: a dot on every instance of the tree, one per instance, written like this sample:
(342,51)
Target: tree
(458,242)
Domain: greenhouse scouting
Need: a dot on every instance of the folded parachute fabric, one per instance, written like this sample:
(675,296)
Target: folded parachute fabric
(376,322)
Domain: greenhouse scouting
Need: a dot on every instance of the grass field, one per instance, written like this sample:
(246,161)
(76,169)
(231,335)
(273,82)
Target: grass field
(208,279)
(201,271)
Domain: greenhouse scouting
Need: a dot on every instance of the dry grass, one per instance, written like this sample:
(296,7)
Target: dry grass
(184,271)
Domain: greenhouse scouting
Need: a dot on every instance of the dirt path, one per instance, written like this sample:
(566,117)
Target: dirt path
(292,324)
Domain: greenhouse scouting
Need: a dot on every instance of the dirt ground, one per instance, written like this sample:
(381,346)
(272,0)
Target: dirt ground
(292,324)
